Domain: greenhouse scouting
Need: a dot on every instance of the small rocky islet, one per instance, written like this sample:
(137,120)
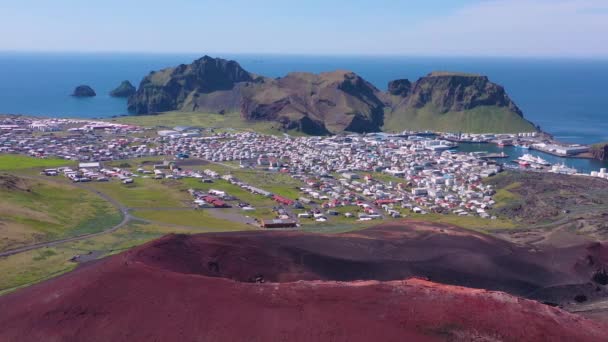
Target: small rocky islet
(125,89)
(84,91)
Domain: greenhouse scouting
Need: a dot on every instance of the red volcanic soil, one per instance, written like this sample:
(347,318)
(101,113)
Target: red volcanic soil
(284,286)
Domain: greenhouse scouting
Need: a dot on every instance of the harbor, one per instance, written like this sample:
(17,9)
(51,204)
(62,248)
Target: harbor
(514,153)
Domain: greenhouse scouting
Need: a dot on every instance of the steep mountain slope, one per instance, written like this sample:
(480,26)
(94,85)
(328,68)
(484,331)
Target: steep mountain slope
(178,87)
(269,286)
(328,102)
(331,102)
(453,102)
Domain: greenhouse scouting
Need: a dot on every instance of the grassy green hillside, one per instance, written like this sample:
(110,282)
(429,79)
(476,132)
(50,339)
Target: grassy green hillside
(10,162)
(33,211)
(479,120)
(202,120)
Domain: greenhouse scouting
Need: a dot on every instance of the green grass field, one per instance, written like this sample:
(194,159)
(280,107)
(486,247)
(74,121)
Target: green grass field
(483,119)
(277,183)
(504,196)
(200,218)
(11,162)
(144,193)
(468,222)
(30,267)
(203,120)
(33,211)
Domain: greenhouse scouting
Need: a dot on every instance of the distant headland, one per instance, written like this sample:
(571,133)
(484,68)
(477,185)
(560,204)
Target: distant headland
(332,102)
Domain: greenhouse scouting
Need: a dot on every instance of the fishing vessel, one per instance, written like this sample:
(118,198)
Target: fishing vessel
(533,160)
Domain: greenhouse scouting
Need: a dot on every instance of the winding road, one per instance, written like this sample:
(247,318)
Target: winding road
(124,211)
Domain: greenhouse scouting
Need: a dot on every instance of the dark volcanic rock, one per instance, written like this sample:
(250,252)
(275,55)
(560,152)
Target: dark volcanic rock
(84,91)
(455,92)
(125,89)
(173,88)
(600,151)
(399,87)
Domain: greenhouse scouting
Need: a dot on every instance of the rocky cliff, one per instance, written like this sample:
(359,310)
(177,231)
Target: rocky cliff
(600,151)
(331,102)
(174,88)
(125,89)
(449,101)
(453,92)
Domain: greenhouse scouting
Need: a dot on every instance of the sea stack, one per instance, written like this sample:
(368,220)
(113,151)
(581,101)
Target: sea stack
(125,89)
(84,91)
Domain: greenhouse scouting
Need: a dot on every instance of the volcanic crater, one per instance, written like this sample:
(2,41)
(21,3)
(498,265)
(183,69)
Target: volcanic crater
(292,286)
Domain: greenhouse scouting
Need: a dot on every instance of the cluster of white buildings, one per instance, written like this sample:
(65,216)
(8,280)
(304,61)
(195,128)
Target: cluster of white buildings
(601,174)
(377,172)
(340,170)
(80,140)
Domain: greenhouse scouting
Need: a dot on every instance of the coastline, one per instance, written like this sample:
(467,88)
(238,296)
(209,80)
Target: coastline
(529,138)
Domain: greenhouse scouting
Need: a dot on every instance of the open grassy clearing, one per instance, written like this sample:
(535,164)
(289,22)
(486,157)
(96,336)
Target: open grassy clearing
(385,177)
(468,222)
(204,120)
(199,218)
(277,183)
(505,196)
(11,162)
(31,267)
(144,193)
(262,214)
(333,227)
(33,211)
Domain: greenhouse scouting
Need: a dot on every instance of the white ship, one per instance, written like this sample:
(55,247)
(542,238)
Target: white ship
(563,169)
(528,158)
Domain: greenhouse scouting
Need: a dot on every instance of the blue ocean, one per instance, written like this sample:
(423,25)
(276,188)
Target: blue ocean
(567,98)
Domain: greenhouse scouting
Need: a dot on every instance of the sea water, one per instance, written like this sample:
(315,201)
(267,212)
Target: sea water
(566,97)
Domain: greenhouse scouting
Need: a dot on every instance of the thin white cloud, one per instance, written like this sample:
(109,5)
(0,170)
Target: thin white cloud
(576,28)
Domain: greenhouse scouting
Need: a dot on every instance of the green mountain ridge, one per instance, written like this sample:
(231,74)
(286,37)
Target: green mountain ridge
(331,102)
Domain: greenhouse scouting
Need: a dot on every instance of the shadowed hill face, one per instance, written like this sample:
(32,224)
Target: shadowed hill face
(330,102)
(239,287)
(168,89)
(316,104)
(442,254)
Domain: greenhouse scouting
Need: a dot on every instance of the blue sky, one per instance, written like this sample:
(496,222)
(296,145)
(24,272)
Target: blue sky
(568,28)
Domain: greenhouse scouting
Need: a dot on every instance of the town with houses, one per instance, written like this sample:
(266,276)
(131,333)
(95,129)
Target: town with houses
(383,176)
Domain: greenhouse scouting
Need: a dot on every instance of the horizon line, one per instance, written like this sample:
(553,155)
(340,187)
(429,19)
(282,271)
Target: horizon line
(300,54)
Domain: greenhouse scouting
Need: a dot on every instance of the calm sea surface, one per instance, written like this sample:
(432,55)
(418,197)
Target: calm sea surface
(567,98)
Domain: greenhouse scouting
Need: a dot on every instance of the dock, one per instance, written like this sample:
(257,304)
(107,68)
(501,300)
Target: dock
(496,155)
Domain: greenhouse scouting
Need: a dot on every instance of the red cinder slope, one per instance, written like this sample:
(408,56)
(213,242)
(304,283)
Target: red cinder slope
(146,295)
